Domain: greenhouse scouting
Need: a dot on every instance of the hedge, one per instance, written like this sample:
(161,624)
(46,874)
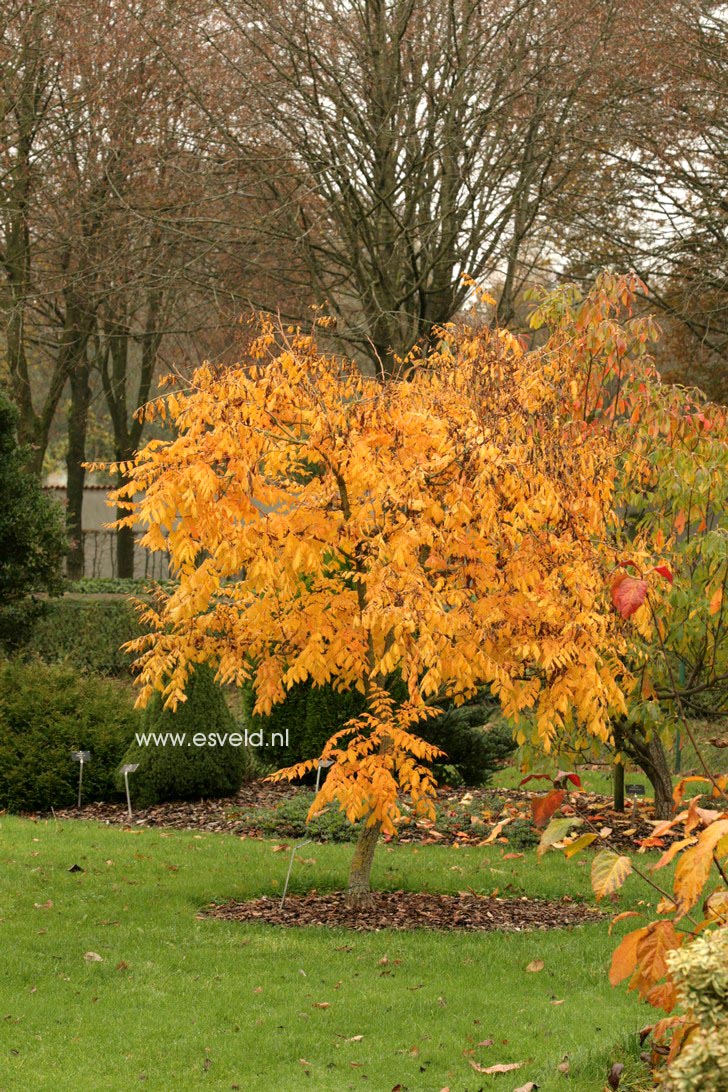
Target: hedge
(47,711)
(86,633)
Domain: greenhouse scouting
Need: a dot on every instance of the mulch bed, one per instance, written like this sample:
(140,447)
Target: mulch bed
(237,815)
(409,910)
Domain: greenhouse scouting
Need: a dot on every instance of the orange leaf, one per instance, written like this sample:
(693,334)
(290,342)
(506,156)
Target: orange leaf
(652,948)
(679,790)
(628,593)
(716,600)
(694,866)
(663,996)
(674,849)
(621,917)
(543,807)
(624,956)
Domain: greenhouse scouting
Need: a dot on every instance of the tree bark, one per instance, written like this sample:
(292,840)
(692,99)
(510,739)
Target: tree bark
(124,548)
(75,457)
(618,786)
(359,893)
(651,757)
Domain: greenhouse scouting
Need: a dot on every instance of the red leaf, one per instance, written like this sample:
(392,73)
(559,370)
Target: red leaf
(628,593)
(664,571)
(562,775)
(534,777)
(543,807)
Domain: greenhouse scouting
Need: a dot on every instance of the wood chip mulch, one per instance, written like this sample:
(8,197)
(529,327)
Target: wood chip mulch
(408,910)
(237,815)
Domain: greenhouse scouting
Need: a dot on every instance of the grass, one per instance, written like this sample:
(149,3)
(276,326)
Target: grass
(179,1002)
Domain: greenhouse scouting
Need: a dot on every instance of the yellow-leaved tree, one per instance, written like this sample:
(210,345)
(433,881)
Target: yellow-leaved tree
(447,529)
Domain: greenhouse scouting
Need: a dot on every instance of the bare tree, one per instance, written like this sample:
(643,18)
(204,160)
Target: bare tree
(659,204)
(402,143)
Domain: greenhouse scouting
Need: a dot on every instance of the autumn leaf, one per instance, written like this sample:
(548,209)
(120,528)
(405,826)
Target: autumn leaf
(535,965)
(716,906)
(693,867)
(659,939)
(615,1075)
(580,843)
(508,1068)
(562,775)
(608,872)
(555,832)
(672,852)
(665,572)
(716,600)
(543,807)
(679,791)
(622,917)
(662,996)
(624,956)
(628,593)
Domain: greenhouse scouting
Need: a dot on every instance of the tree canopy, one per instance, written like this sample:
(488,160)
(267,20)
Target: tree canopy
(450,525)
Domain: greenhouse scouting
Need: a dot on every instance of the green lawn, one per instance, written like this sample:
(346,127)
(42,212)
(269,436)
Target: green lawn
(179,1003)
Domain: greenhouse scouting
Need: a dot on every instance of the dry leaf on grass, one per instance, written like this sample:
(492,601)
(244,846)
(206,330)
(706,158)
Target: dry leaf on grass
(495,1068)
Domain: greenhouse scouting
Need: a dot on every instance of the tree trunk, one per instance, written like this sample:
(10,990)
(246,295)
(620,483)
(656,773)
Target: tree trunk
(76,454)
(618,786)
(124,535)
(359,893)
(124,548)
(651,758)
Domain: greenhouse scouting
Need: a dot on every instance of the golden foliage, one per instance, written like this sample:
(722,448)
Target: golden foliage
(324,526)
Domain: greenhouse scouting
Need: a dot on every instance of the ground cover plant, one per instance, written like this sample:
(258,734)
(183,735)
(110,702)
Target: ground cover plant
(113,979)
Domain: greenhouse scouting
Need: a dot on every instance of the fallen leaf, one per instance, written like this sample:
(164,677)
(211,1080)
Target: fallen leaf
(564,1067)
(495,1068)
(615,1075)
(535,965)
(557,1002)
(354,1039)
(43,905)
(280,848)
(321,1005)
(302,1061)
(93,957)
(531,1086)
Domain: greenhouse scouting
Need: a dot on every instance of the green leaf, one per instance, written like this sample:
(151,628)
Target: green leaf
(555,832)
